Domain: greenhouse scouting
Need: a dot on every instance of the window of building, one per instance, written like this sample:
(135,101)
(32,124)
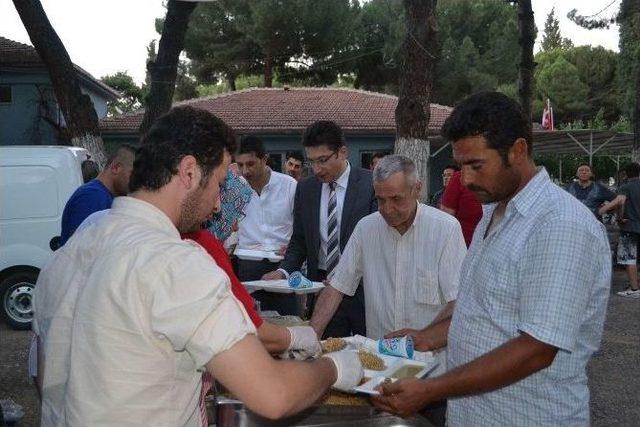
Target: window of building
(276,161)
(5,94)
(367,156)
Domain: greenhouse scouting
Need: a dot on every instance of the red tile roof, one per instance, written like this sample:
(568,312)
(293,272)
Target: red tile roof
(19,55)
(278,110)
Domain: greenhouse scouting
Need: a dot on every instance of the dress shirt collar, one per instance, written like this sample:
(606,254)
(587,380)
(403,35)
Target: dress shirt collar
(343,180)
(416,219)
(146,212)
(527,198)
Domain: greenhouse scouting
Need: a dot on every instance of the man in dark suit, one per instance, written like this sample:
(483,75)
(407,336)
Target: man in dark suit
(327,207)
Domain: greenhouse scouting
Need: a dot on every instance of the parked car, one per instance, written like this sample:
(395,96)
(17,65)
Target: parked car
(35,184)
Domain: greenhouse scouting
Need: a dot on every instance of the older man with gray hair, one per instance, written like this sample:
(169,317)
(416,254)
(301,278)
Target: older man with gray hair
(408,255)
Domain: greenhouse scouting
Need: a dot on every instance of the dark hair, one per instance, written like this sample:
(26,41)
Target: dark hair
(297,155)
(89,170)
(584,164)
(632,170)
(181,132)
(492,115)
(378,155)
(451,166)
(252,144)
(119,152)
(323,132)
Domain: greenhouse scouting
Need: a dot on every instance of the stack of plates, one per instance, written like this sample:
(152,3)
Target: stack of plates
(281,287)
(257,255)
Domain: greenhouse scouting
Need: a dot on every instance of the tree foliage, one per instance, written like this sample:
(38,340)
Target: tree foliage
(479,47)
(551,37)
(560,82)
(132,94)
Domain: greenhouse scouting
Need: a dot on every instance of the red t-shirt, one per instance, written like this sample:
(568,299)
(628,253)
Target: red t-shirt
(468,209)
(219,255)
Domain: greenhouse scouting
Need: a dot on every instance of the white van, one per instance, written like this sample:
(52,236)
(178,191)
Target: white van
(35,184)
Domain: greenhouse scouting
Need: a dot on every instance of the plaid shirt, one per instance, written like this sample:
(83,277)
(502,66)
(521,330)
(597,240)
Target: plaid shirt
(545,270)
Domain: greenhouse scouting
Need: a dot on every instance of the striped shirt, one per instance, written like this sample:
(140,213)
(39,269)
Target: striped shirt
(545,270)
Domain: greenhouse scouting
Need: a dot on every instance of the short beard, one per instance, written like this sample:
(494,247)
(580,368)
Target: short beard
(189,220)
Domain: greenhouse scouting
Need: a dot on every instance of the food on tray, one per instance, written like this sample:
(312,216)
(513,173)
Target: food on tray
(371,361)
(406,371)
(333,344)
(337,398)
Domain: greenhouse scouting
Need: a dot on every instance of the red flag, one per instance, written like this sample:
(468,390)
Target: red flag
(547,116)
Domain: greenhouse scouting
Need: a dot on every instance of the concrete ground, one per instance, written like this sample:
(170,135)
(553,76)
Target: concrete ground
(614,376)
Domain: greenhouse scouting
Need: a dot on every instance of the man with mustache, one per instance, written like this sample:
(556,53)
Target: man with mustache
(533,288)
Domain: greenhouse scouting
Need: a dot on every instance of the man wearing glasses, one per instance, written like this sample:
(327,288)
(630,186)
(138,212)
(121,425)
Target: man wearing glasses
(327,207)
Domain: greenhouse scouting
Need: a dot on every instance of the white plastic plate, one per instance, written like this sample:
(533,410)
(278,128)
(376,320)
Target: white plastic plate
(257,255)
(424,369)
(424,360)
(281,287)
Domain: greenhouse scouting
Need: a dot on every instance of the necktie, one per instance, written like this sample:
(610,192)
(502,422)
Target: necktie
(333,235)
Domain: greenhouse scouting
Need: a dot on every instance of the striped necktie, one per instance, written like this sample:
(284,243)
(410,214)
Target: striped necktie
(333,234)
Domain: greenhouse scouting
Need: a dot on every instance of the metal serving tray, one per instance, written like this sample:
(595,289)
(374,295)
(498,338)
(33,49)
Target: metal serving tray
(231,413)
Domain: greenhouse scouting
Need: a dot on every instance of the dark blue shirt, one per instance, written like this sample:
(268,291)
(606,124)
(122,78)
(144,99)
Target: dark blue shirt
(592,196)
(87,199)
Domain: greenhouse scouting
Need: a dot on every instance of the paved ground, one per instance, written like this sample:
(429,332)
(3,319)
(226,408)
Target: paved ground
(614,374)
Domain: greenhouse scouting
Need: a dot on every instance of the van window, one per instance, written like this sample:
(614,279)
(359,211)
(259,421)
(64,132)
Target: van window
(28,192)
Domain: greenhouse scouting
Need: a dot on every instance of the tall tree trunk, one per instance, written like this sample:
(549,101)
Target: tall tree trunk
(164,69)
(417,60)
(231,81)
(526,39)
(77,108)
(635,153)
(268,67)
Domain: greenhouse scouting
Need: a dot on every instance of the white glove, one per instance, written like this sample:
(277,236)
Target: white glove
(349,369)
(305,341)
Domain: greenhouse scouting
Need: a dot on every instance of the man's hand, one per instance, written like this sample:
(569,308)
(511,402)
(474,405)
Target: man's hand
(404,397)
(282,251)
(349,370)
(305,341)
(420,339)
(273,275)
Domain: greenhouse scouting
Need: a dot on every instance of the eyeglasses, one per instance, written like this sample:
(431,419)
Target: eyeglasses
(321,161)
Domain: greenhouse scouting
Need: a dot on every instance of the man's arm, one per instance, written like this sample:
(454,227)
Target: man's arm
(279,339)
(616,203)
(325,308)
(518,358)
(268,387)
(433,336)
(275,338)
(344,281)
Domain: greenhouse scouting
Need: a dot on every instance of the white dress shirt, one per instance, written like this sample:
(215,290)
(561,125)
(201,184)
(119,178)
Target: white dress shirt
(268,223)
(406,278)
(341,190)
(128,314)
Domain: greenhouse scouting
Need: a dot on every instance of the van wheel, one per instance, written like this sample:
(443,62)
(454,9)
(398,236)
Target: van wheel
(16,291)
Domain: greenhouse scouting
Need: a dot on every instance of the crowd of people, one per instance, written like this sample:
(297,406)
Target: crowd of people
(506,279)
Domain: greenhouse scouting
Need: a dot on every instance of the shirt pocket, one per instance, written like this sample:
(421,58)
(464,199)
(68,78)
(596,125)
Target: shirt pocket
(427,290)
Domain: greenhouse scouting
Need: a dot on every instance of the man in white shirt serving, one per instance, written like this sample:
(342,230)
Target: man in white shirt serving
(409,256)
(128,314)
(268,222)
